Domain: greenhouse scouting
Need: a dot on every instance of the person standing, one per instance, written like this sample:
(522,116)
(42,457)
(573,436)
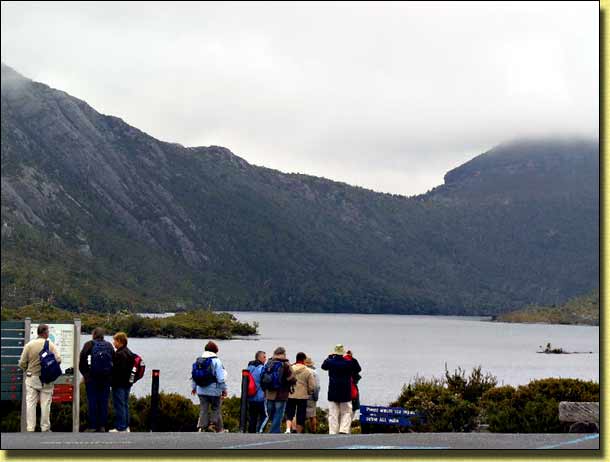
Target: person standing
(121,386)
(355,379)
(36,390)
(256,403)
(95,364)
(211,391)
(277,379)
(302,391)
(312,402)
(340,373)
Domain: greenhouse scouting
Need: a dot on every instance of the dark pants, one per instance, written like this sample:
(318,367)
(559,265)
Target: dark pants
(120,401)
(256,415)
(97,400)
(298,407)
(209,412)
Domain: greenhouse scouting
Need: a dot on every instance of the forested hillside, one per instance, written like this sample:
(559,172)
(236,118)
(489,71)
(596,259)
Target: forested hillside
(98,214)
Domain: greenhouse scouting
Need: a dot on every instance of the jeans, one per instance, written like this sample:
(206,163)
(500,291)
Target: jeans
(256,415)
(120,401)
(209,412)
(275,412)
(97,399)
(35,392)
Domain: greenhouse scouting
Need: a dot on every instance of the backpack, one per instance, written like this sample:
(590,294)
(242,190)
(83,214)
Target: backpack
(203,371)
(271,378)
(252,389)
(354,389)
(49,367)
(137,371)
(101,360)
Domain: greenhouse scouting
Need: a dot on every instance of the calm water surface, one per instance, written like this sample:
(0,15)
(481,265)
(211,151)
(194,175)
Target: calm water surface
(391,349)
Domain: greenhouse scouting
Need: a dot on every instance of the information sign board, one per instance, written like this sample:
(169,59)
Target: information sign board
(62,335)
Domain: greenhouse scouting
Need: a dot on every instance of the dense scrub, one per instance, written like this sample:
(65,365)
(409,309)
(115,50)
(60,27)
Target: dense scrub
(459,403)
(578,310)
(200,323)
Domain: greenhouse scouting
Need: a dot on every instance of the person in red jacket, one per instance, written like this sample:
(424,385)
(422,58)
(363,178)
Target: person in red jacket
(340,373)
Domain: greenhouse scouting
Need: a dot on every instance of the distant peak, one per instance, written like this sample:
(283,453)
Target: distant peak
(10,73)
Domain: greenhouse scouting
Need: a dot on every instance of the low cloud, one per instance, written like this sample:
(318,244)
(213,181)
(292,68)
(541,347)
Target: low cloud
(388,96)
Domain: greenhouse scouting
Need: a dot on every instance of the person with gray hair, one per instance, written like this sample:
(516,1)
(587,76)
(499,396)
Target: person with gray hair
(256,403)
(35,390)
(277,380)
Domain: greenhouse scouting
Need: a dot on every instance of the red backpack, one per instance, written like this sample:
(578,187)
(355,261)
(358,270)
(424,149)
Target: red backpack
(251,384)
(138,369)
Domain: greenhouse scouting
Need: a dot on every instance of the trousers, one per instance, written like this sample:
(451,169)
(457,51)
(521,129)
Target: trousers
(339,417)
(35,392)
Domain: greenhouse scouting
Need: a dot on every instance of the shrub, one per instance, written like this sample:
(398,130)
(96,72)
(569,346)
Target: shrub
(534,408)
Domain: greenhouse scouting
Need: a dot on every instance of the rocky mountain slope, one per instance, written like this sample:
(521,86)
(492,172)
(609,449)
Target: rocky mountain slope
(97,213)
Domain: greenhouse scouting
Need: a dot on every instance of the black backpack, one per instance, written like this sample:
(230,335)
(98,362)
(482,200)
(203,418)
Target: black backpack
(49,367)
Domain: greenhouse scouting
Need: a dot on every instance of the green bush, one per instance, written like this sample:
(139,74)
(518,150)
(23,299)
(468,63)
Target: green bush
(534,408)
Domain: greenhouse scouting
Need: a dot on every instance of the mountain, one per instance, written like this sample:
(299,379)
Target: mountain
(97,213)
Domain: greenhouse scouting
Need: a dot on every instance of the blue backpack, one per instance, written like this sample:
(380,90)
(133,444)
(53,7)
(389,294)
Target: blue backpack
(101,360)
(203,371)
(49,367)
(271,378)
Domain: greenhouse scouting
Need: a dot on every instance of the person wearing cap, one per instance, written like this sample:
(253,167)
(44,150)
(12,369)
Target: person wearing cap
(276,399)
(312,402)
(340,373)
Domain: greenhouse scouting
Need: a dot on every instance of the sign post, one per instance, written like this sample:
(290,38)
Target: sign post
(75,376)
(24,407)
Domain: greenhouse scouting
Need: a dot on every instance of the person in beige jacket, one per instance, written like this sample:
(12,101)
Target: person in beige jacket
(303,389)
(35,390)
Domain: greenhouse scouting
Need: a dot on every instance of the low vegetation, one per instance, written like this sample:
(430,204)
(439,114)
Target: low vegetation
(455,403)
(578,310)
(460,403)
(201,323)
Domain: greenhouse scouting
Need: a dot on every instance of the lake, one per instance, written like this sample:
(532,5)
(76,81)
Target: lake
(392,350)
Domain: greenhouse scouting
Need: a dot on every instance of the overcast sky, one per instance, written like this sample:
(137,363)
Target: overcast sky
(388,96)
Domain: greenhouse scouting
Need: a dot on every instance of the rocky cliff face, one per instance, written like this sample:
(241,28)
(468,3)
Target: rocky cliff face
(124,218)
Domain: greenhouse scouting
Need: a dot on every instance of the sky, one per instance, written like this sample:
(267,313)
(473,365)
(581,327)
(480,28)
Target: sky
(387,96)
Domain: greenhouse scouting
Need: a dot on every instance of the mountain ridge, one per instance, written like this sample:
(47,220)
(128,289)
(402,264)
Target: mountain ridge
(152,220)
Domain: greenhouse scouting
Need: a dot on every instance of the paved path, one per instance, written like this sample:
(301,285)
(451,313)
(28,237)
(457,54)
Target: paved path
(411,441)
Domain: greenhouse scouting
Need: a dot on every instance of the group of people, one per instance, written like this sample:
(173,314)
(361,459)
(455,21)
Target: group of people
(107,367)
(281,390)
(277,389)
(104,367)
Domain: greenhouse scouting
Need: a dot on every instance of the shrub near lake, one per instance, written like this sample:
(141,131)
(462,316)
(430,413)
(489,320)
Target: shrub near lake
(201,323)
(454,403)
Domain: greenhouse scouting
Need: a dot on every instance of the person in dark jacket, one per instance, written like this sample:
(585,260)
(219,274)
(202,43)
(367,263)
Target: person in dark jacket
(121,386)
(276,399)
(95,364)
(256,403)
(340,373)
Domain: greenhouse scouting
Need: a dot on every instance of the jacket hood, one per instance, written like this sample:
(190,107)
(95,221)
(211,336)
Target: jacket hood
(255,362)
(209,354)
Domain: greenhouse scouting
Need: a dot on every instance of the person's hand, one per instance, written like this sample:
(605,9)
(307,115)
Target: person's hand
(193,392)
(224,394)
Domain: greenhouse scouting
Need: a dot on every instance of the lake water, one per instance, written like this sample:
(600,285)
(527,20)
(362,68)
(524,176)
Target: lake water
(392,350)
